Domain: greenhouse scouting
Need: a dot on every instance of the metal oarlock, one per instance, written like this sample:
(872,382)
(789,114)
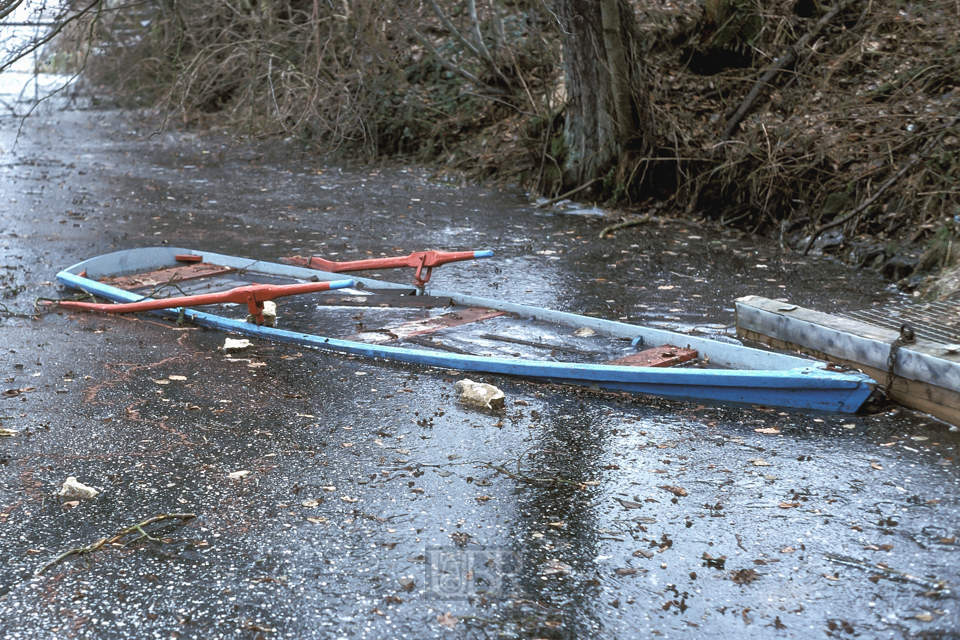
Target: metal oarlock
(253,295)
(418,260)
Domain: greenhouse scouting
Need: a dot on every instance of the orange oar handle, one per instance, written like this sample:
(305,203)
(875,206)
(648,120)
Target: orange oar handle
(418,260)
(253,295)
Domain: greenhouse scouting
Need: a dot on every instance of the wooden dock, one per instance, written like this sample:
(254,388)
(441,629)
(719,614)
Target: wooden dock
(927,374)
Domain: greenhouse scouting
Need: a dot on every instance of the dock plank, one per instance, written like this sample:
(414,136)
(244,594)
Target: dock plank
(927,374)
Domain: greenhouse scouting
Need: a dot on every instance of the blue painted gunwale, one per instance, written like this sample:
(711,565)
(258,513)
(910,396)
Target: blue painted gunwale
(758,377)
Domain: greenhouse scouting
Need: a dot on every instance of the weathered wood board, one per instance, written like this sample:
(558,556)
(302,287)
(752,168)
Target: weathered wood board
(665,355)
(927,374)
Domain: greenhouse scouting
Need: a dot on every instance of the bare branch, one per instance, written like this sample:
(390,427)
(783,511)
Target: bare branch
(456,33)
(36,44)
(444,62)
(475,25)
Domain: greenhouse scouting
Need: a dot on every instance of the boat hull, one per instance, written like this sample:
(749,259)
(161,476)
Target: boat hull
(768,378)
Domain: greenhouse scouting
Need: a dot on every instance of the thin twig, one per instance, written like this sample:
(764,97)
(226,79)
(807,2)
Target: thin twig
(626,223)
(781,63)
(886,185)
(115,538)
(532,479)
(566,195)
(940,586)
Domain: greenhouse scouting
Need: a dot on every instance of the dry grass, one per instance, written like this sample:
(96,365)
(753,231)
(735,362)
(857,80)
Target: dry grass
(876,86)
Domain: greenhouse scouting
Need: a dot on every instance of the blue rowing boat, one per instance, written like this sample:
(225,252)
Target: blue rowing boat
(417,325)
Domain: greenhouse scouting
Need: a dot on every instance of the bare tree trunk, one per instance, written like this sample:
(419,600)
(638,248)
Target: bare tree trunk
(607,116)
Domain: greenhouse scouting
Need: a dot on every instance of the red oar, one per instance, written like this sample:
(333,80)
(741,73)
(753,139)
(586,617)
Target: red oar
(253,295)
(418,260)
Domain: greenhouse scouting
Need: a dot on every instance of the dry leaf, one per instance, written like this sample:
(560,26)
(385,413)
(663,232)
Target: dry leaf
(770,430)
(448,620)
(553,567)
(876,466)
(789,505)
(745,576)
(677,491)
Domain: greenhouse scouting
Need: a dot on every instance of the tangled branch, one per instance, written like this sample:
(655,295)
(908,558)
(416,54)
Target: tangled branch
(116,538)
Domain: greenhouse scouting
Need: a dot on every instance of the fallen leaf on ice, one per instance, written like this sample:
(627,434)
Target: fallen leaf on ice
(744,576)
(238,474)
(448,620)
(677,491)
(554,567)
